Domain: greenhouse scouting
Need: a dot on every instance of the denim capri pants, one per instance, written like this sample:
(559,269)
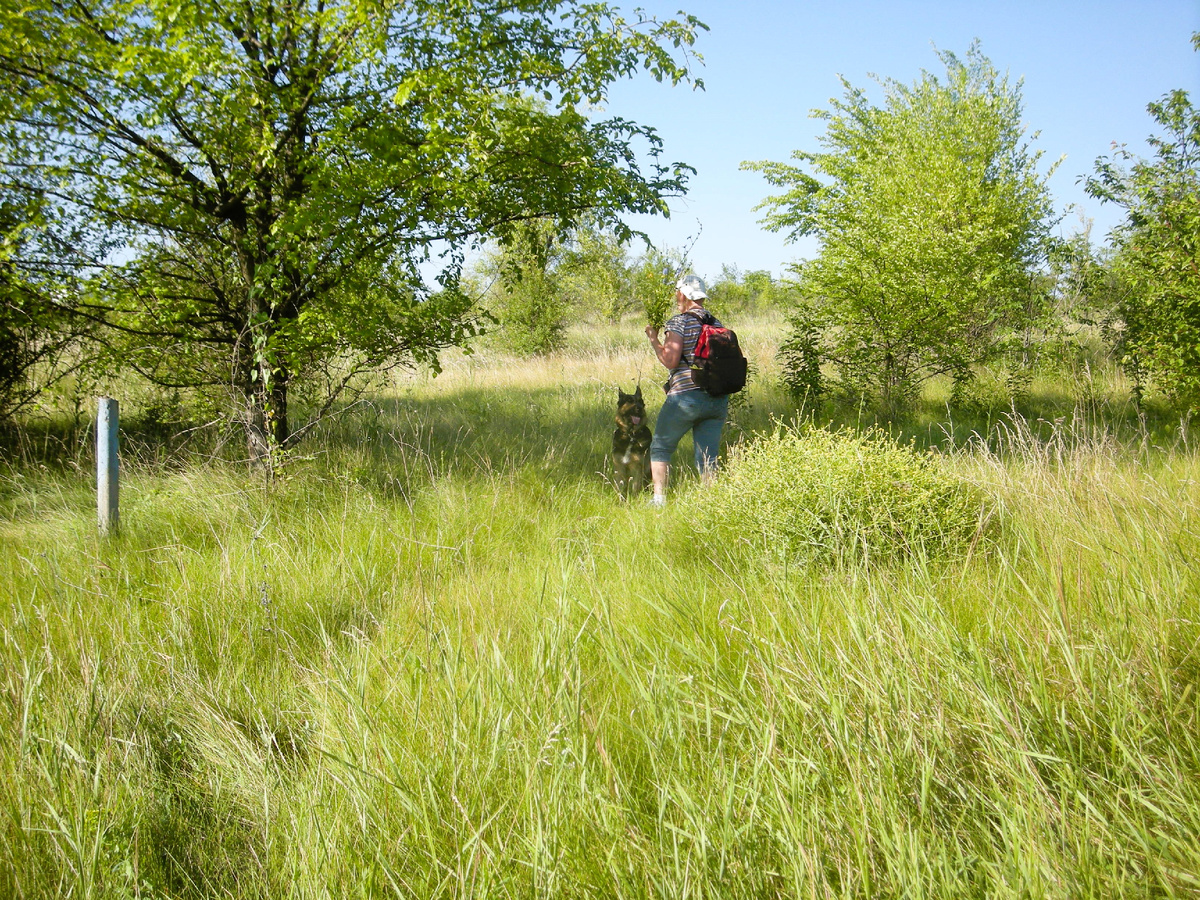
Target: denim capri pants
(701,413)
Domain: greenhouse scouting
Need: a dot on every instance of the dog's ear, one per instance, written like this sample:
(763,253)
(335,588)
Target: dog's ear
(620,396)
(638,392)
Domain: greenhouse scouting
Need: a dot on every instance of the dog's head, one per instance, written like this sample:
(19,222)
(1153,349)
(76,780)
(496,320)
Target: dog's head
(631,408)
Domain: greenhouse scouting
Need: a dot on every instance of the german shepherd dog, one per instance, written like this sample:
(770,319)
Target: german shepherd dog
(631,444)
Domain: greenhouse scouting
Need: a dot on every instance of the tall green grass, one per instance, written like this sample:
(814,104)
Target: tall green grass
(439,657)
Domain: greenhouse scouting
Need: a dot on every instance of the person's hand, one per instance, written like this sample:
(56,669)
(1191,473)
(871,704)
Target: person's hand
(651,332)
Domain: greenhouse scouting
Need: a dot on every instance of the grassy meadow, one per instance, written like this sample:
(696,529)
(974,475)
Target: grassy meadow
(439,657)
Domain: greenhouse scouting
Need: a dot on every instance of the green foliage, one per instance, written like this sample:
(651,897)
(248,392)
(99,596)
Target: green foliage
(533,313)
(1157,256)
(800,357)
(40,327)
(747,293)
(597,275)
(539,274)
(1086,328)
(1085,286)
(43,257)
(932,218)
(527,296)
(654,275)
(279,174)
(817,495)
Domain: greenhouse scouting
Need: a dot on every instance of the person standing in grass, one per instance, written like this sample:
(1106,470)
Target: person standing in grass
(688,406)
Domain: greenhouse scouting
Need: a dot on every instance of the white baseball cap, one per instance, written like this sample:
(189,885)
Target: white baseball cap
(692,287)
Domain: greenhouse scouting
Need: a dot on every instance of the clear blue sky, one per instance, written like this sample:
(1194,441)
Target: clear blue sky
(1088,71)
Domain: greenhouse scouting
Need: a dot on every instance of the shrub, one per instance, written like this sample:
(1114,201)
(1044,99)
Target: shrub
(821,495)
(527,294)
(933,222)
(533,313)
(800,358)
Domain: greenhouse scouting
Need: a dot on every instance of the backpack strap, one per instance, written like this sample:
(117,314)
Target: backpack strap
(706,319)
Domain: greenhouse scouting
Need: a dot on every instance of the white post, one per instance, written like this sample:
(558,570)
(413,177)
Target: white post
(107,487)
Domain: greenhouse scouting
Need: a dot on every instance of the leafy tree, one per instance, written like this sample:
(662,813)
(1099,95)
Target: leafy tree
(542,275)
(42,258)
(37,330)
(526,292)
(597,273)
(1158,248)
(931,217)
(1082,277)
(1087,295)
(746,292)
(279,172)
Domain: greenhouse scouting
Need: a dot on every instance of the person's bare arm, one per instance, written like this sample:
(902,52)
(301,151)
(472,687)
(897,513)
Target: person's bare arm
(669,351)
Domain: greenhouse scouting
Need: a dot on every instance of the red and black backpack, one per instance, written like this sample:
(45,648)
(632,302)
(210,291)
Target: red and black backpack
(717,363)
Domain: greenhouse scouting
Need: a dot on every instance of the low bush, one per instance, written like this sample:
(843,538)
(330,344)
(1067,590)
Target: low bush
(812,495)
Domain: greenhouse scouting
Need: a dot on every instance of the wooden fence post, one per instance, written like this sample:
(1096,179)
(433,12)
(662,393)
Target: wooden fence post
(107,485)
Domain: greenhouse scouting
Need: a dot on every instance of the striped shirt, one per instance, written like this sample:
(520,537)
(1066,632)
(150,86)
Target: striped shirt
(687,327)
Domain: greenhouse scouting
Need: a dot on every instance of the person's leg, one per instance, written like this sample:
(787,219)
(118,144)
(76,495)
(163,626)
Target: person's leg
(706,436)
(670,426)
(660,474)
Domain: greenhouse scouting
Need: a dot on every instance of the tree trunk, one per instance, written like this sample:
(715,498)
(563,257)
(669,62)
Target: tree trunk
(277,404)
(258,436)
(266,416)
